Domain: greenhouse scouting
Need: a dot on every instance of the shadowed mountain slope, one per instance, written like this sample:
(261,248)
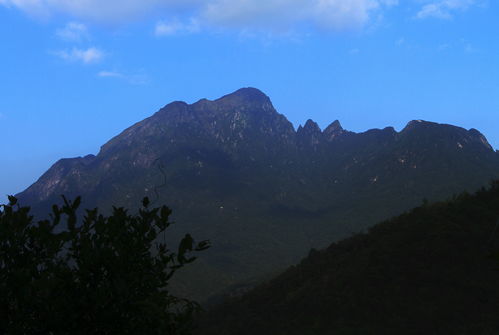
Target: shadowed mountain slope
(236,172)
(434,270)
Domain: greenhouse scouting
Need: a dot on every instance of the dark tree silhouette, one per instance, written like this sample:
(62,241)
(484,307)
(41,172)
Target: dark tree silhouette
(105,275)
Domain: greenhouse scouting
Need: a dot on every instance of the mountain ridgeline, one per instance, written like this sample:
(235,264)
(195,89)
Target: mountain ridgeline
(237,172)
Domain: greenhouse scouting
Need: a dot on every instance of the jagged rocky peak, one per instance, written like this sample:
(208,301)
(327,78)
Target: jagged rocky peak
(250,108)
(309,128)
(335,126)
(389,129)
(480,137)
(309,134)
(248,96)
(56,178)
(245,100)
(431,127)
(245,112)
(417,123)
(175,106)
(249,93)
(423,125)
(174,112)
(446,132)
(242,98)
(333,130)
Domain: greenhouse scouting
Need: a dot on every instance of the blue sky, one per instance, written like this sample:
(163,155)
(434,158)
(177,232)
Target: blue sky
(76,73)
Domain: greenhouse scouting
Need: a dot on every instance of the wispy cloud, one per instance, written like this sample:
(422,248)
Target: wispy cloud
(283,14)
(73,32)
(444,9)
(243,15)
(134,79)
(85,56)
(174,27)
(103,11)
(444,47)
(110,74)
(469,48)
(461,45)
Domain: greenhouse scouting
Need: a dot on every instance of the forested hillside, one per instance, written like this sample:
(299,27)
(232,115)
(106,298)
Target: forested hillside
(433,270)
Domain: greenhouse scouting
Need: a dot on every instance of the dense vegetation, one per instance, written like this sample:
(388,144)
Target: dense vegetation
(105,275)
(433,270)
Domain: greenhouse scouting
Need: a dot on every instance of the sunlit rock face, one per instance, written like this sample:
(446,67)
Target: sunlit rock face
(237,172)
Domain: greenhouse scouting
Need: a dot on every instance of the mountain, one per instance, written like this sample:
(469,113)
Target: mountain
(236,172)
(434,270)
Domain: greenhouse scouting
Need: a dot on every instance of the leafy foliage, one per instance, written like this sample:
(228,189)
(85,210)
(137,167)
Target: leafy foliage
(107,275)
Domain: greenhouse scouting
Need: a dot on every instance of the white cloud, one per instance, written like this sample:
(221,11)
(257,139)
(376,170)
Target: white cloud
(444,47)
(281,14)
(173,27)
(239,14)
(73,31)
(134,79)
(468,48)
(461,45)
(444,9)
(99,10)
(110,74)
(85,56)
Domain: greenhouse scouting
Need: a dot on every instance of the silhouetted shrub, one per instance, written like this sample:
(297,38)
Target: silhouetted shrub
(105,275)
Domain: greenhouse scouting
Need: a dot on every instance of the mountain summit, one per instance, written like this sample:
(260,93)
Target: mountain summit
(235,171)
(248,95)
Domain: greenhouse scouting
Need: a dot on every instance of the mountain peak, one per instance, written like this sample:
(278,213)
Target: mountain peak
(245,95)
(333,130)
(309,134)
(415,123)
(425,126)
(311,127)
(480,137)
(441,132)
(335,126)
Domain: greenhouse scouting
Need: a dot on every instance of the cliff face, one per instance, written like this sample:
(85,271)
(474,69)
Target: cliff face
(235,171)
